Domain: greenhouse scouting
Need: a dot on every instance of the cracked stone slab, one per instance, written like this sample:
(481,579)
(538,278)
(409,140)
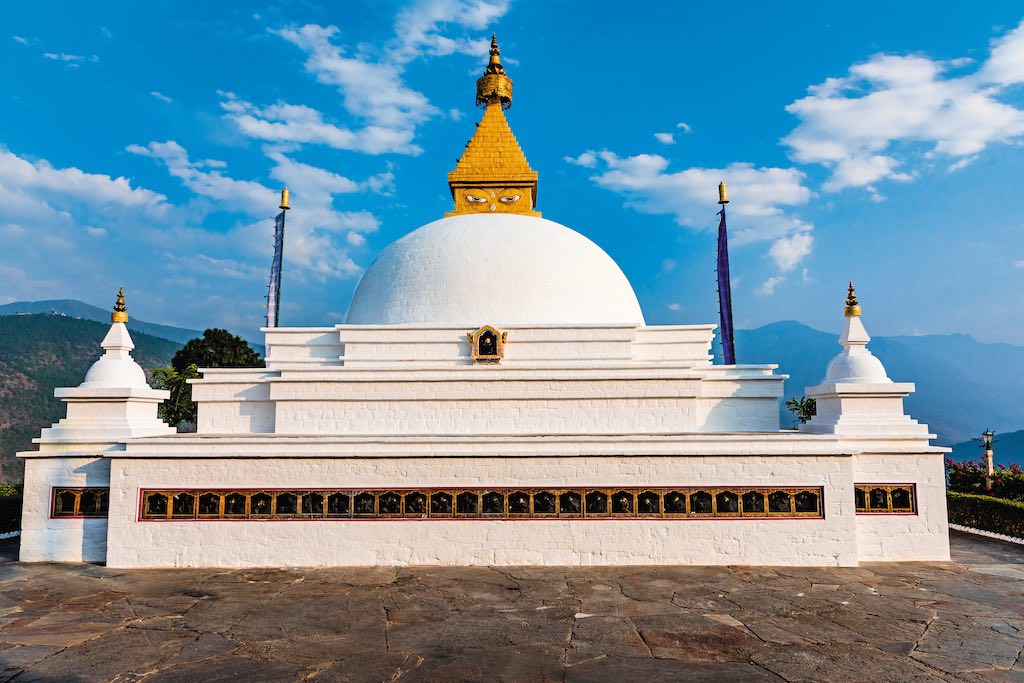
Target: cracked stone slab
(957,621)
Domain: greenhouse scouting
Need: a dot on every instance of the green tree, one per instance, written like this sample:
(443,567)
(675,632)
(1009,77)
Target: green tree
(179,407)
(216,349)
(803,408)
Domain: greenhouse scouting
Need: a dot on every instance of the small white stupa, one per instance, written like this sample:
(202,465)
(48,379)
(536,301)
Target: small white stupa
(856,397)
(114,402)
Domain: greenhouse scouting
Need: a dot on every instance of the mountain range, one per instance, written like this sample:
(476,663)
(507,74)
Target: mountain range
(963,386)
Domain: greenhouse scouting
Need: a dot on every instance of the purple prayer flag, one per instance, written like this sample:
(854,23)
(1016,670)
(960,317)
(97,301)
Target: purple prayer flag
(725,295)
(274,286)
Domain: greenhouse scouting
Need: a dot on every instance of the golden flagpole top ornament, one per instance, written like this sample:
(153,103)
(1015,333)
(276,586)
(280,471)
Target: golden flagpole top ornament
(723,194)
(120,314)
(852,309)
(285,198)
(494,85)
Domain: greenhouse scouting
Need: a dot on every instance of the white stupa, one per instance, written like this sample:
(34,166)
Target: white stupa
(493,397)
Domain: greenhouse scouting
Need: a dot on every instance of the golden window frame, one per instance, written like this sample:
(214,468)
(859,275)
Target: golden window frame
(500,339)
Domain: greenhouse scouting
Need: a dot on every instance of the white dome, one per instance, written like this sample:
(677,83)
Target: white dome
(499,269)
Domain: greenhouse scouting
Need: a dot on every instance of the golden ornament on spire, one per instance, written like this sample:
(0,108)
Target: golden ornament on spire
(285,198)
(723,194)
(120,314)
(494,85)
(493,176)
(852,309)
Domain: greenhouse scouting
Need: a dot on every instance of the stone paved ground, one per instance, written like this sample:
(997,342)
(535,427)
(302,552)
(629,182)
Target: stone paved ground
(895,622)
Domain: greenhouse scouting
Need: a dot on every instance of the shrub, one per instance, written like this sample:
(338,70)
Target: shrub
(10,507)
(969,477)
(986,512)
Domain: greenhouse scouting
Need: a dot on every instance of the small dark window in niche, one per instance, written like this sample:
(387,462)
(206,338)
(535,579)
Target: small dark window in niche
(487,344)
(570,503)
(467,503)
(390,503)
(337,504)
(878,499)
(597,503)
(901,499)
(363,504)
(260,504)
(234,504)
(209,504)
(183,505)
(675,503)
(494,503)
(622,503)
(647,503)
(544,503)
(728,502)
(806,501)
(91,503)
(415,503)
(441,504)
(860,499)
(287,504)
(753,502)
(779,501)
(519,503)
(312,504)
(156,505)
(701,503)
(64,503)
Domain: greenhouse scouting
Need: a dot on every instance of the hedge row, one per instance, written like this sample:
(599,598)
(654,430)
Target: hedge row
(997,515)
(10,507)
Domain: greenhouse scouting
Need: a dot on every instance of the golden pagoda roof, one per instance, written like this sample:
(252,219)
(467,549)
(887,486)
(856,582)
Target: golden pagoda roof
(493,159)
(493,155)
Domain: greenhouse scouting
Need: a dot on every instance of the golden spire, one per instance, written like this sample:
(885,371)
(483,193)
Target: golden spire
(493,175)
(852,309)
(495,85)
(723,194)
(120,314)
(285,197)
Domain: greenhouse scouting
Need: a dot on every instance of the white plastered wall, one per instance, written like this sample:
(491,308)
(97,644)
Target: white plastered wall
(829,541)
(892,538)
(61,540)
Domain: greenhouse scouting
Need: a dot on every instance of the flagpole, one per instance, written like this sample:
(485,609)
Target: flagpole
(284,206)
(725,328)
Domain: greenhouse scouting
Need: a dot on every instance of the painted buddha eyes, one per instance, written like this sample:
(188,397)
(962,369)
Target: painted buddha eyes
(509,200)
(475,200)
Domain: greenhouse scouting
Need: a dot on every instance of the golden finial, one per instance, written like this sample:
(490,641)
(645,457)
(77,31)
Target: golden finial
(723,194)
(120,314)
(494,86)
(852,309)
(284,199)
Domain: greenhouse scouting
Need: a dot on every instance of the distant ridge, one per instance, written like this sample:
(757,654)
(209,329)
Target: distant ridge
(1008,449)
(79,309)
(963,386)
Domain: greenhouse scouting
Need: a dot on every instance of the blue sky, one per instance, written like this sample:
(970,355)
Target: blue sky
(143,144)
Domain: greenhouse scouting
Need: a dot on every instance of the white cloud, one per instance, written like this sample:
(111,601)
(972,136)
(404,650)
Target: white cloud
(668,265)
(674,307)
(455,114)
(96,232)
(20,39)
(289,123)
(371,79)
(788,252)
(160,96)
(665,138)
(106,32)
(1019,264)
(763,198)
(24,176)
(767,287)
(961,163)
(70,59)
(893,112)
(586,160)
(685,127)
